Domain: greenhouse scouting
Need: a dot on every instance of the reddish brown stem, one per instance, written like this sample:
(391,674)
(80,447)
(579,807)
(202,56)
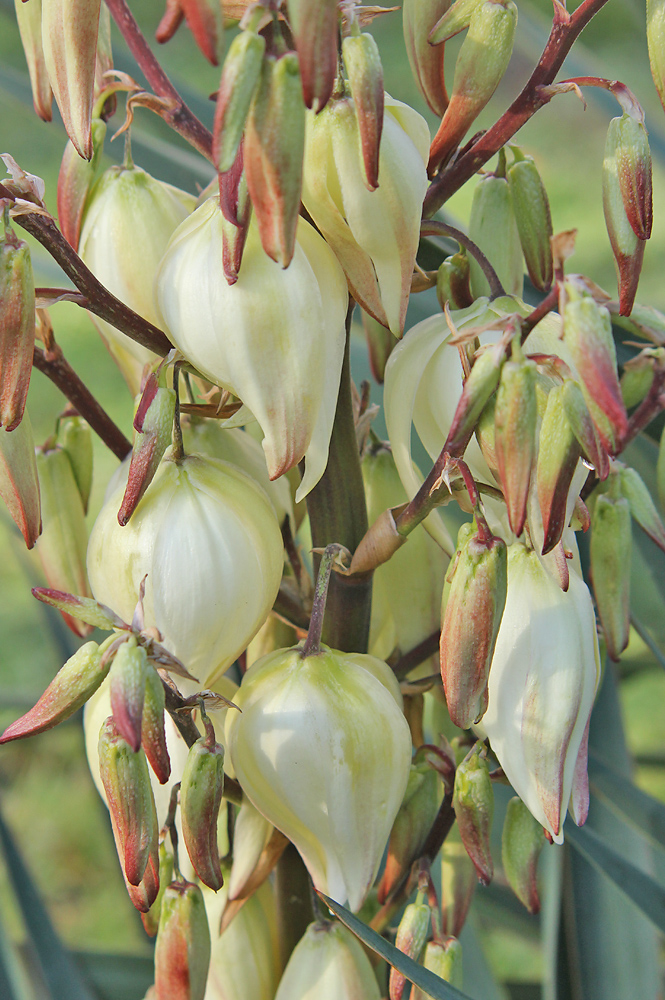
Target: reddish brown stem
(99,299)
(565,29)
(550,302)
(180,117)
(56,367)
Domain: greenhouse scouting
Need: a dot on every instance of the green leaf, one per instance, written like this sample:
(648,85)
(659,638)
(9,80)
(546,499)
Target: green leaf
(58,969)
(633,882)
(639,808)
(118,977)
(437,988)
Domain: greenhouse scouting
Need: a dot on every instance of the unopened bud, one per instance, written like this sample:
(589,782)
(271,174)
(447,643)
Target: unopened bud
(150,919)
(473,802)
(29,18)
(75,438)
(240,75)
(153,424)
(17,327)
(328,963)
(522,840)
(588,334)
(62,545)
(493,227)
(380,343)
(633,160)
(126,781)
(71,687)
(410,939)
(182,950)
(534,222)
(201,789)
(452,282)
(481,63)
(515,418)
(274,146)
(627,247)
(444,959)
(205,20)
(19,484)
(128,680)
(76,180)
(558,455)
(583,427)
(315,29)
(642,507)
(611,544)
(412,825)
(479,386)
(426,60)
(363,66)
(84,608)
(251,836)
(473,607)
(636,380)
(458,883)
(153,735)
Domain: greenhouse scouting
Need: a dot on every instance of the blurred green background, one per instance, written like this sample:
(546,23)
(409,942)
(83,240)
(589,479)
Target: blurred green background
(46,794)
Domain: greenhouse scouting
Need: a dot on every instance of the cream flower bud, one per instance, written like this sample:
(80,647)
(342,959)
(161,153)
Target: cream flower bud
(127,224)
(322,749)
(374,234)
(542,684)
(328,963)
(275,338)
(208,540)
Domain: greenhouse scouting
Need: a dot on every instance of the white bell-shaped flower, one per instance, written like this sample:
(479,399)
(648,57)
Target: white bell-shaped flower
(328,963)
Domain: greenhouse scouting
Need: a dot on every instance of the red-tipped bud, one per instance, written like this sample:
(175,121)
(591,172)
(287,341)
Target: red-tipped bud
(452,282)
(515,418)
(363,67)
(69,37)
(584,428)
(128,680)
(240,75)
(75,182)
(458,883)
(205,21)
(315,27)
(521,843)
(29,17)
(588,333)
(611,545)
(411,826)
(472,610)
(84,608)
(153,735)
(633,161)
(642,507)
(620,186)
(19,485)
(534,222)
(201,789)
(153,424)
(410,939)
(481,63)
(426,60)
(274,147)
(17,327)
(71,687)
(150,919)
(380,342)
(558,455)
(182,951)
(479,386)
(126,780)
(473,802)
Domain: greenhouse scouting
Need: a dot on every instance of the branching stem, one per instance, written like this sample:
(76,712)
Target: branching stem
(434,227)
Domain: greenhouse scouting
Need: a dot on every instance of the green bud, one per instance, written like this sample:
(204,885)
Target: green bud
(633,160)
(583,427)
(479,386)
(410,939)
(240,75)
(558,455)
(273,153)
(611,544)
(151,918)
(426,60)
(642,506)
(29,18)
(363,67)
(75,438)
(76,179)
(380,343)
(473,802)
(182,950)
(153,424)
(534,222)
(636,380)
(515,419)
(19,484)
(452,282)
(455,19)
(458,883)
(493,227)
(444,959)
(472,609)
(521,843)
(128,680)
(17,328)
(69,690)
(153,736)
(201,789)
(627,247)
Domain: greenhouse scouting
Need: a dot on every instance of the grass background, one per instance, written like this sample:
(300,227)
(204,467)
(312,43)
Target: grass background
(45,790)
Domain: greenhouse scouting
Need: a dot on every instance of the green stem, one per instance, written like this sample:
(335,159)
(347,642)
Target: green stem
(294,903)
(337,513)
